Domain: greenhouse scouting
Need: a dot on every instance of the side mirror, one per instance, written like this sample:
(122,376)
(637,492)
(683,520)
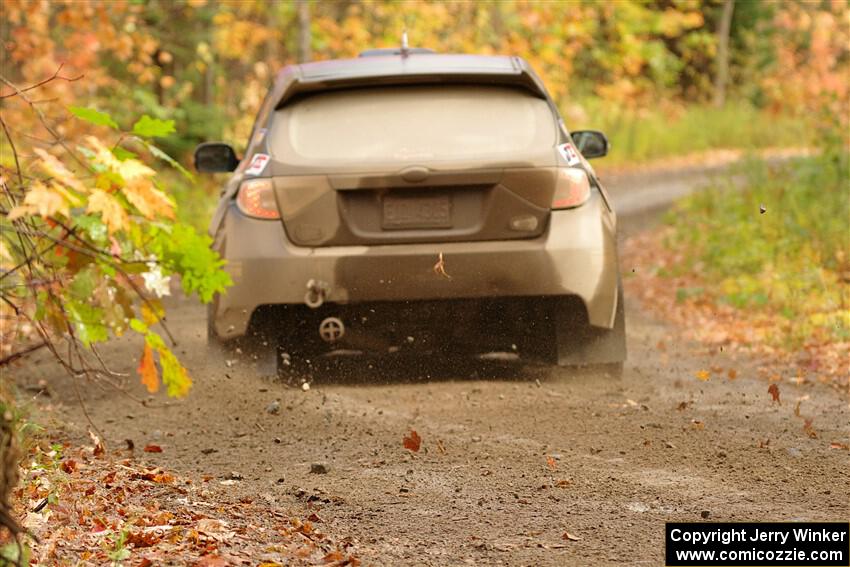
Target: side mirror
(591,143)
(215,157)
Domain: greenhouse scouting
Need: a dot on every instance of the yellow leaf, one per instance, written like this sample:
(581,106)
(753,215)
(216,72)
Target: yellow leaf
(132,169)
(40,200)
(147,370)
(703,375)
(149,200)
(111,211)
(57,170)
(152,312)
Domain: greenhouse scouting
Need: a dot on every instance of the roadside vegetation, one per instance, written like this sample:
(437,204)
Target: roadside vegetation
(762,262)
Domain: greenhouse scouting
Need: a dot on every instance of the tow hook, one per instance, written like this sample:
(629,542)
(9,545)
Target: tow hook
(331,329)
(317,292)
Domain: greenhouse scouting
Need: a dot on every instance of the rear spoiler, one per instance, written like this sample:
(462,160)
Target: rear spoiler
(293,82)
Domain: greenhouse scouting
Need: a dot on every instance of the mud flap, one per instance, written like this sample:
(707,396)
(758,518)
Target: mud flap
(579,343)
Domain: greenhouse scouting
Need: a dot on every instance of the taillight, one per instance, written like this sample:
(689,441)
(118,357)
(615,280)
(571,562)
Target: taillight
(572,188)
(256,199)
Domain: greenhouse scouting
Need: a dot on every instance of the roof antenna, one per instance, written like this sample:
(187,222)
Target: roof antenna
(404,49)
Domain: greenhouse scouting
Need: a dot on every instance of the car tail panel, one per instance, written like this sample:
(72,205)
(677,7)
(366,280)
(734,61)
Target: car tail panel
(446,207)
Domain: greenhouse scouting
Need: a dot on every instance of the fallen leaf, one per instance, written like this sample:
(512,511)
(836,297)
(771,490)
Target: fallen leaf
(807,427)
(153,449)
(764,443)
(69,465)
(732,374)
(440,267)
(837,445)
(563,483)
(703,375)
(333,556)
(797,408)
(212,561)
(683,406)
(412,441)
(550,462)
(143,539)
(773,390)
(570,537)
(98,449)
(697,424)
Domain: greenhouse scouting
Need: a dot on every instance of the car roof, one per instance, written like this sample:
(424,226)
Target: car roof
(408,68)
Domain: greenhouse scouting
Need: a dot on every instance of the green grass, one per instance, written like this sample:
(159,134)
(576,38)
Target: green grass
(643,135)
(792,260)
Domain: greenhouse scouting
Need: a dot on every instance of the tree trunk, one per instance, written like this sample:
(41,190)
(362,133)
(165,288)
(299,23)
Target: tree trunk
(722,60)
(304,52)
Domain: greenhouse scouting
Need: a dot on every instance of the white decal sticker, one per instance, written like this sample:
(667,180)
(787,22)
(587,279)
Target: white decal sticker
(569,153)
(258,164)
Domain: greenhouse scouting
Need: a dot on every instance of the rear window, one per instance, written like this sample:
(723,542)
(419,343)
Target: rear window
(412,123)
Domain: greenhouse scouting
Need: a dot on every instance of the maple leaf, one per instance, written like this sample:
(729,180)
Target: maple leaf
(147,370)
(57,170)
(113,214)
(149,200)
(550,462)
(773,390)
(174,376)
(41,200)
(153,449)
(703,375)
(412,441)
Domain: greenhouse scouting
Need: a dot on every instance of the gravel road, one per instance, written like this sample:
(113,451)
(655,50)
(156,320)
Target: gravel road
(513,457)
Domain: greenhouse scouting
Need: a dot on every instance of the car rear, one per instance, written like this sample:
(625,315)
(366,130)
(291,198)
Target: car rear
(408,201)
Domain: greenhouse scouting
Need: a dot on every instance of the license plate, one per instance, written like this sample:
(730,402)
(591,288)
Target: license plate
(417,211)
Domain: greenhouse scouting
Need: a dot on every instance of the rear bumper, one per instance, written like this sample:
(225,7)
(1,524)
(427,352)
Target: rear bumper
(576,255)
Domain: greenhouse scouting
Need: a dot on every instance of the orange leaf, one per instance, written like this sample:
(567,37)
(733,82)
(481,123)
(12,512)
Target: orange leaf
(333,556)
(807,427)
(550,462)
(703,375)
(153,449)
(413,441)
(773,390)
(837,445)
(147,370)
(732,374)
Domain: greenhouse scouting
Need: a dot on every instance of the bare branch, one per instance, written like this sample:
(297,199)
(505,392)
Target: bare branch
(54,77)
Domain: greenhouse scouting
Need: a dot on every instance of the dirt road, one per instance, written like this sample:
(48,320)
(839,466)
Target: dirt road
(512,457)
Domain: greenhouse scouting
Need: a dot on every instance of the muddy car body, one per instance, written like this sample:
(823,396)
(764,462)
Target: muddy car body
(419,200)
